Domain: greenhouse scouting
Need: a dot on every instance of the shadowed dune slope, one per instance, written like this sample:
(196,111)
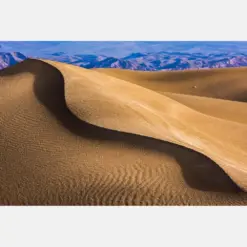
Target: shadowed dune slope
(71,136)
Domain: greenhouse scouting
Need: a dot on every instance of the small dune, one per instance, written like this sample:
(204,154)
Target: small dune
(74,136)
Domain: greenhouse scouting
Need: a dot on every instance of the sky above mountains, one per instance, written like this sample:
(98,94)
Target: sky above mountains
(120,49)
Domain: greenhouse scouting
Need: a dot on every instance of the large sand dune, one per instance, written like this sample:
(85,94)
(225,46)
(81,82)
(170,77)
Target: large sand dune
(72,136)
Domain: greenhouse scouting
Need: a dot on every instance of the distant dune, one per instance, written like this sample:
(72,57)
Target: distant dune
(73,136)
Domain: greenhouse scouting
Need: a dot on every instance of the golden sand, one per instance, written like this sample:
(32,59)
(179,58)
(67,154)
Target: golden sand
(72,136)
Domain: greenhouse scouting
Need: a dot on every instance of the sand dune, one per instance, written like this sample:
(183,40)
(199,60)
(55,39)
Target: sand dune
(223,83)
(72,136)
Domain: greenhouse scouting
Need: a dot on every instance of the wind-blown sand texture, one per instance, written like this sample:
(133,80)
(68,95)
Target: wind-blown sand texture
(72,136)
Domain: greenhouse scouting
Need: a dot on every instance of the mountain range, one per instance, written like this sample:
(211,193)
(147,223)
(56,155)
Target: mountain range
(152,61)
(120,49)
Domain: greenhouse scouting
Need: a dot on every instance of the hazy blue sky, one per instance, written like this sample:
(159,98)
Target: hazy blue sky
(119,49)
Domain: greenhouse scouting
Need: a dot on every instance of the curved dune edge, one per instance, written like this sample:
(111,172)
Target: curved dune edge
(122,106)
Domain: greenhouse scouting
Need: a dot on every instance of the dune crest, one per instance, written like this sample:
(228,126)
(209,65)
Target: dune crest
(103,100)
